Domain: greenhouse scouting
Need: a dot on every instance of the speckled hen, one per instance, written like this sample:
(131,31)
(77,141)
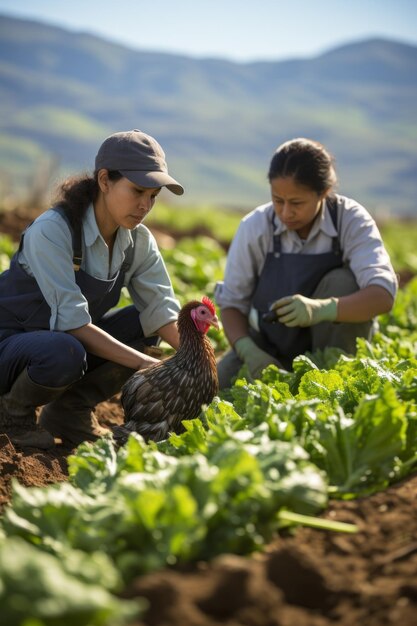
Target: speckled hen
(156,400)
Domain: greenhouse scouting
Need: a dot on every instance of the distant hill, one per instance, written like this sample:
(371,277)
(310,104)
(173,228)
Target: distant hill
(62,93)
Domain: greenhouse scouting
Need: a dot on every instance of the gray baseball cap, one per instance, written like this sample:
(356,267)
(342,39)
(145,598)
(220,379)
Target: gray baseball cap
(138,157)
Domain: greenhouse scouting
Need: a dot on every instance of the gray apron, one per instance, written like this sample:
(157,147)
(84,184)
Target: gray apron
(285,274)
(22,305)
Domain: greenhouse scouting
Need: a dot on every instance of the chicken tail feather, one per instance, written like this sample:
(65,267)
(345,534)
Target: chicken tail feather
(121,433)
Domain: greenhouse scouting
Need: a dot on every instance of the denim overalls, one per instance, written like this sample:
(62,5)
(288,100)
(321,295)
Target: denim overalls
(24,312)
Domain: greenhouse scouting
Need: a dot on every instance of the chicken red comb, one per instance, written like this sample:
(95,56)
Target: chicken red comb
(209,304)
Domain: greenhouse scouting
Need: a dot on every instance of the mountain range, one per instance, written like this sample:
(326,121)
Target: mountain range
(219,121)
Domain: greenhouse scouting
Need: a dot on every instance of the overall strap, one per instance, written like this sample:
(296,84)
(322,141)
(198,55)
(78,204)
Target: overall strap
(128,259)
(331,202)
(76,229)
(277,239)
(22,236)
(333,210)
(76,236)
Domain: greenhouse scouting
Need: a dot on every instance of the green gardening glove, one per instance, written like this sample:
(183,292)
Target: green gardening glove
(253,357)
(301,311)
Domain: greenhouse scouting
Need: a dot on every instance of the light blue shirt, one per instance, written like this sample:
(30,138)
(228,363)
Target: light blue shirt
(47,256)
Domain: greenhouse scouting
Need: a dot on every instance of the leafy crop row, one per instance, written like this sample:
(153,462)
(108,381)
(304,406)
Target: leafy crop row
(261,456)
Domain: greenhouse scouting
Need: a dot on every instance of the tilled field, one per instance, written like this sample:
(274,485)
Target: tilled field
(308,578)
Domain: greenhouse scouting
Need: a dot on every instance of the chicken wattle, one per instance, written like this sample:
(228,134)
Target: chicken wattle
(157,399)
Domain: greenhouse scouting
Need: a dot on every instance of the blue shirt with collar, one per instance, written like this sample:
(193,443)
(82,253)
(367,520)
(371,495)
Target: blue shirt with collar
(48,257)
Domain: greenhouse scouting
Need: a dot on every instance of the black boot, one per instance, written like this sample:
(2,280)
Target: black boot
(17,412)
(71,416)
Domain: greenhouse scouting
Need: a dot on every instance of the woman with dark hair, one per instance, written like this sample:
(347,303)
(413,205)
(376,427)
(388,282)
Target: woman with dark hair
(63,346)
(305,271)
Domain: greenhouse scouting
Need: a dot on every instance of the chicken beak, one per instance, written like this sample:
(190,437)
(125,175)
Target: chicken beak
(215,322)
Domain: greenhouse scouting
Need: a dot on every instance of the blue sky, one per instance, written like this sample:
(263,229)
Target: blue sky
(239,30)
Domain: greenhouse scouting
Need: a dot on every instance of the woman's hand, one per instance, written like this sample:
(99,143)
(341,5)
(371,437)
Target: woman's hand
(298,310)
(96,341)
(360,306)
(254,358)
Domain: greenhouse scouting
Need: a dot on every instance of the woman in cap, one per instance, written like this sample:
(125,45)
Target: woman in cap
(305,271)
(61,345)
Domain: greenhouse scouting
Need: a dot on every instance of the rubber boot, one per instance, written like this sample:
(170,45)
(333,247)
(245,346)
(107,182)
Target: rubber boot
(71,417)
(17,412)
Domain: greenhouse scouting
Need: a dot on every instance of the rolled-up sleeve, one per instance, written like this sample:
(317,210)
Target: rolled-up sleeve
(365,252)
(47,256)
(149,284)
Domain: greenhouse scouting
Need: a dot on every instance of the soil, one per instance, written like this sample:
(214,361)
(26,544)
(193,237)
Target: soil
(304,578)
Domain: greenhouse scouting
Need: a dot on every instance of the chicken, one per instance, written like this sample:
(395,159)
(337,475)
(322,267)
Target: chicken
(156,399)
